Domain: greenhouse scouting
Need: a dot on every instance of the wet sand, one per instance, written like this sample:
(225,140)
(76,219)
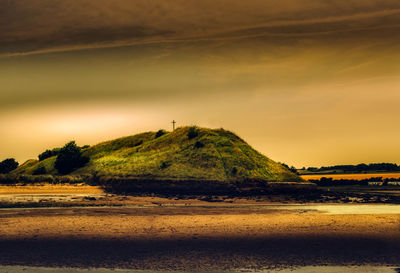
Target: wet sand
(196,238)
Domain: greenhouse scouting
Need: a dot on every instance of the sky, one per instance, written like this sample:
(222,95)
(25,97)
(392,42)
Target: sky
(305,82)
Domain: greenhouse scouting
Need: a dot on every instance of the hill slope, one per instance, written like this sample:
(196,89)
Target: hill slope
(213,154)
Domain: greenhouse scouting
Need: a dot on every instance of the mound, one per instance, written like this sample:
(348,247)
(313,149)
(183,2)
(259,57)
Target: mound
(188,153)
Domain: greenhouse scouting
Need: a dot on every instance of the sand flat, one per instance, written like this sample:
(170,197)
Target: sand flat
(183,223)
(179,238)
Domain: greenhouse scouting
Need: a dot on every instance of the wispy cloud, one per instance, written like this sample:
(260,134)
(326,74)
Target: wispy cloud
(43,27)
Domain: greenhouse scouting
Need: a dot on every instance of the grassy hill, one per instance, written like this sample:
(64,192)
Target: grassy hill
(211,154)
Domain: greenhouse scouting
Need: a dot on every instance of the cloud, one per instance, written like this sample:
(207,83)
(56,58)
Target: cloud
(47,26)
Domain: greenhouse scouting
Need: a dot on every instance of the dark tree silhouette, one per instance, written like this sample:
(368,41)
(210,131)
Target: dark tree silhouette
(234,171)
(70,158)
(48,153)
(292,168)
(8,165)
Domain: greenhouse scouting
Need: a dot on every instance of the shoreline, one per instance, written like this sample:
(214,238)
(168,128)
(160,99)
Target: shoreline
(79,195)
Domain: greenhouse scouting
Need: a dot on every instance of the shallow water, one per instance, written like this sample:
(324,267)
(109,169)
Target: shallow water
(48,197)
(306,269)
(314,208)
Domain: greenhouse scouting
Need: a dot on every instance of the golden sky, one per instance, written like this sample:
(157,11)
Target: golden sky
(306,82)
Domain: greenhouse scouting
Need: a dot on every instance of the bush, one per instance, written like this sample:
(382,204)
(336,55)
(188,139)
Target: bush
(140,142)
(70,158)
(165,165)
(32,179)
(193,132)
(160,133)
(8,179)
(292,168)
(48,153)
(234,171)
(40,170)
(11,179)
(69,179)
(198,144)
(8,165)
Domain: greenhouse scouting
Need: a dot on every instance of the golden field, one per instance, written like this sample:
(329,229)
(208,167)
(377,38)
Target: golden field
(356,176)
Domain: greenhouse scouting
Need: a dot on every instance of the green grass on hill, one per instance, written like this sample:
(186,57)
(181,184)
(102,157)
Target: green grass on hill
(214,154)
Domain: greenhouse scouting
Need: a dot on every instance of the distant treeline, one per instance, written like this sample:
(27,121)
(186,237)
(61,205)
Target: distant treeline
(324,181)
(378,167)
(291,168)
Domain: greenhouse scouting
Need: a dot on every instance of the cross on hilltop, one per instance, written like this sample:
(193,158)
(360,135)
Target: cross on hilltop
(173,125)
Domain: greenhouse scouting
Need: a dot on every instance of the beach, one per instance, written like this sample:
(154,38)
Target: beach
(226,236)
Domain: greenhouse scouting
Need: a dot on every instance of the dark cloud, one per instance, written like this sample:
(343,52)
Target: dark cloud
(68,38)
(39,26)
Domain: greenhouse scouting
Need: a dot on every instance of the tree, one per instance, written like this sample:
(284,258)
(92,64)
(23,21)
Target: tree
(285,165)
(8,165)
(70,158)
(293,169)
(48,153)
